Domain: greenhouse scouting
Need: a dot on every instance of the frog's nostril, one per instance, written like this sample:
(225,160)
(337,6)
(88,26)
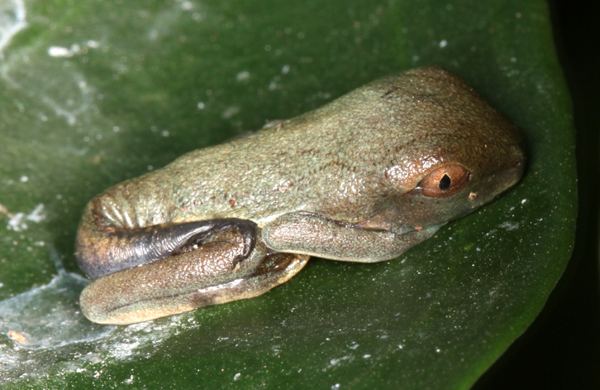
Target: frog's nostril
(517,163)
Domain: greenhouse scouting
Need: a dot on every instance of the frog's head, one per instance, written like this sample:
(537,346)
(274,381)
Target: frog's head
(453,152)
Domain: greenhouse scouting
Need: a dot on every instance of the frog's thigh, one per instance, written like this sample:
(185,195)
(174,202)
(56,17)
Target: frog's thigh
(312,235)
(185,282)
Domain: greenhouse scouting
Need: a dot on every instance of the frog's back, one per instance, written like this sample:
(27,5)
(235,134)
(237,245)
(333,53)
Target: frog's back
(331,160)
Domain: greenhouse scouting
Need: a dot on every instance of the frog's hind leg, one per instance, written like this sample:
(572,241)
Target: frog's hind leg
(102,250)
(187,281)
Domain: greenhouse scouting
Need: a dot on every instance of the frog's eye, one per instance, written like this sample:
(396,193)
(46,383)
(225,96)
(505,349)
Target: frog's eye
(445,181)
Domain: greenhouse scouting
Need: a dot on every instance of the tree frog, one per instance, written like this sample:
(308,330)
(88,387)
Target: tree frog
(363,178)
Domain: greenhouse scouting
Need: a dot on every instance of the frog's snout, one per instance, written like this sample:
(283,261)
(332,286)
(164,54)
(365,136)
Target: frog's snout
(513,171)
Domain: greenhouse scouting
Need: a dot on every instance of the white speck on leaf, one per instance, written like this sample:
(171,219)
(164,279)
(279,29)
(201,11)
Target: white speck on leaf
(58,51)
(17,222)
(243,75)
(230,111)
(37,215)
(12,20)
(509,226)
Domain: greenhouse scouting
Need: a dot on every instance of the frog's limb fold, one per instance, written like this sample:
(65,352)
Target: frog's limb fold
(104,251)
(196,279)
(310,234)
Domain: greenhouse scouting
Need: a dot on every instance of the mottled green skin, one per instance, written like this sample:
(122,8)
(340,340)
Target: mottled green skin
(337,182)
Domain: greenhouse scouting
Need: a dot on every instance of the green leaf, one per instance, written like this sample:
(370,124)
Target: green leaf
(93,93)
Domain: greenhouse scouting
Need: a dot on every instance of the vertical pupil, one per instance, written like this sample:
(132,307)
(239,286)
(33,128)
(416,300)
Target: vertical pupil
(445,182)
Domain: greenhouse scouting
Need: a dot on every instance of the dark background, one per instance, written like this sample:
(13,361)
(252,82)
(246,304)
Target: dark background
(561,350)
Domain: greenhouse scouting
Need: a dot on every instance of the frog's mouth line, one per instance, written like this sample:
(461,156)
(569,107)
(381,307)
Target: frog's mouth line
(365,226)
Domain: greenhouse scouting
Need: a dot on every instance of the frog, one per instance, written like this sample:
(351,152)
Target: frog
(363,179)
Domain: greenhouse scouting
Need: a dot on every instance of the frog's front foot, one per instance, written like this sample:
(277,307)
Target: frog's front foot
(102,252)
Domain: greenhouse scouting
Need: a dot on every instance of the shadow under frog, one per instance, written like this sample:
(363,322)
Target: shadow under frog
(361,179)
